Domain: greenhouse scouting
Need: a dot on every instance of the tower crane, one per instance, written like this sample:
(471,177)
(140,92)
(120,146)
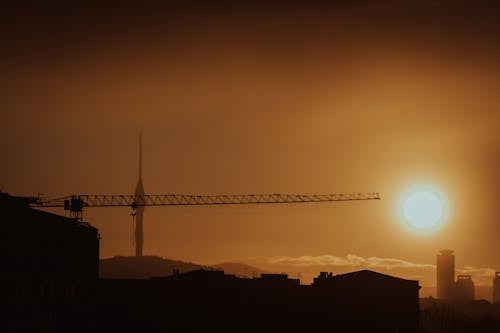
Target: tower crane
(139,200)
(77,202)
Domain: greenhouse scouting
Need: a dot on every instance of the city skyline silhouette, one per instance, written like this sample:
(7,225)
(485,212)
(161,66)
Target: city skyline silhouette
(274,100)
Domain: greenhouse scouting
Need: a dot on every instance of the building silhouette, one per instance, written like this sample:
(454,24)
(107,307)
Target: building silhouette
(362,301)
(45,255)
(445,274)
(447,288)
(496,288)
(369,300)
(464,288)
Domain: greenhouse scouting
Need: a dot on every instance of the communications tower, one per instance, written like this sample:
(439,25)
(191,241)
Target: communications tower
(138,211)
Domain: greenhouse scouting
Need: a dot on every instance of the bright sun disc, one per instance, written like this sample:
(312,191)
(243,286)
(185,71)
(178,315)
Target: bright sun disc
(423,209)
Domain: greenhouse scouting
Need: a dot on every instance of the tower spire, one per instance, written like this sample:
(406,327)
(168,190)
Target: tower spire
(139,199)
(140,154)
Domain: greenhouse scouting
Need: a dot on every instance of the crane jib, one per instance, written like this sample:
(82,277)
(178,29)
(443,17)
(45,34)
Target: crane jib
(76,203)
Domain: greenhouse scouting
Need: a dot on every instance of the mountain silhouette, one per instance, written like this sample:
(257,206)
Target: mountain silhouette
(145,267)
(240,270)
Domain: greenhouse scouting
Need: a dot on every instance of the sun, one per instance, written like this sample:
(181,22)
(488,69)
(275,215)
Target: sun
(423,209)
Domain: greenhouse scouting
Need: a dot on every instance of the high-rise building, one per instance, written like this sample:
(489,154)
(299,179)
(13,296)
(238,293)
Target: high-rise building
(464,288)
(445,274)
(496,288)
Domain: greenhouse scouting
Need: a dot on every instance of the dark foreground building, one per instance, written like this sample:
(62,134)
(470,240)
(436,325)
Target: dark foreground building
(45,255)
(369,300)
(48,260)
(362,301)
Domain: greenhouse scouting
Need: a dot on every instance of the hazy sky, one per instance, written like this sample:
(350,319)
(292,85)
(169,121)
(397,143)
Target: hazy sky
(263,97)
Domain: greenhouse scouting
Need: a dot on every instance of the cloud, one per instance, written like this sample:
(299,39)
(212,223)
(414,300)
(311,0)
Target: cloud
(390,263)
(323,260)
(350,260)
(480,275)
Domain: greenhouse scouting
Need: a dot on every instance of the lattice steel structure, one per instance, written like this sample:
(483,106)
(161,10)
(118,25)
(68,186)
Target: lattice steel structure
(76,203)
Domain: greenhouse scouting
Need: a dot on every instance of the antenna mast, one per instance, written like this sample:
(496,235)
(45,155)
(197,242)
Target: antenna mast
(138,212)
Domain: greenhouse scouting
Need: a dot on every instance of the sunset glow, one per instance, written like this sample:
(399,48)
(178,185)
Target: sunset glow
(263,97)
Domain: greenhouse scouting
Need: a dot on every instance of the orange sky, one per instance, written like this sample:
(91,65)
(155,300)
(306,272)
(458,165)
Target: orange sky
(263,98)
